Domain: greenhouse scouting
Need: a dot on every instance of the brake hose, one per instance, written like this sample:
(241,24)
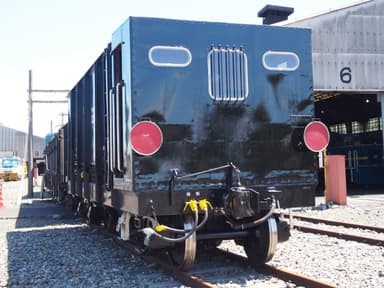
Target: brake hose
(149,231)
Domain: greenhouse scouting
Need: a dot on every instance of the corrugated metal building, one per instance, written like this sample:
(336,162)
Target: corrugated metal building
(348,48)
(348,71)
(15,142)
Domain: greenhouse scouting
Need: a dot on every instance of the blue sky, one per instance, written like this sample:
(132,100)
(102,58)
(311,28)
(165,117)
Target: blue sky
(59,40)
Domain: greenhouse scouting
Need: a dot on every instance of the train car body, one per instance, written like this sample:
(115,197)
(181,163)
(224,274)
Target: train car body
(211,109)
(56,164)
(186,131)
(87,139)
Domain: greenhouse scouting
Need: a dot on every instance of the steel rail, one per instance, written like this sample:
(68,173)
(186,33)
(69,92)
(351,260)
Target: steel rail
(334,222)
(341,235)
(184,277)
(282,273)
(299,279)
(197,282)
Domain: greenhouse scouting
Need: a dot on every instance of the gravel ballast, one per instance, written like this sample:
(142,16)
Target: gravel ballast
(63,252)
(67,253)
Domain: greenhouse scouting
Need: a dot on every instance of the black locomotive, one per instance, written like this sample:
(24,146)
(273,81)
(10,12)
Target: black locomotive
(188,132)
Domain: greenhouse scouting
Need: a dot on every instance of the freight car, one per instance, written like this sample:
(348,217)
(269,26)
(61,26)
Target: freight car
(186,132)
(55,164)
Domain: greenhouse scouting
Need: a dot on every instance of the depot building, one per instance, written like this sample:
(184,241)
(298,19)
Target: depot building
(348,76)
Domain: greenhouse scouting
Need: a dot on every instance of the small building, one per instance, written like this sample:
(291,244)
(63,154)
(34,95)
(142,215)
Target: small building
(348,71)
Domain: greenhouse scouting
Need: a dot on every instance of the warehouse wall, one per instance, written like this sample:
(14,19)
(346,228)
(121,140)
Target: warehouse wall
(14,142)
(348,48)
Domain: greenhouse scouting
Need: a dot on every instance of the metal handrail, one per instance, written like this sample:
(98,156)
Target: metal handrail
(110,118)
(118,143)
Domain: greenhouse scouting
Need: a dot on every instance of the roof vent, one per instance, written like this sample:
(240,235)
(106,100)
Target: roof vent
(273,14)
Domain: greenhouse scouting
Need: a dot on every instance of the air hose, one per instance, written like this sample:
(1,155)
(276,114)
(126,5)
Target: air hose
(193,205)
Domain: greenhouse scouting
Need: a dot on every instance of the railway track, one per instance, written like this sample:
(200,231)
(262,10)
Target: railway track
(216,263)
(184,278)
(197,279)
(218,268)
(283,273)
(377,238)
(367,199)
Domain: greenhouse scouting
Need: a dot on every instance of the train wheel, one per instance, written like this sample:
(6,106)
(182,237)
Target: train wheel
(94,215)
(82,208)
(261,246)
(75,203)
(110,220)
(183,254)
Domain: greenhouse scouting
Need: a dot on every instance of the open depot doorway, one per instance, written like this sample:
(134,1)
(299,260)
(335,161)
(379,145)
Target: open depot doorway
(356,127)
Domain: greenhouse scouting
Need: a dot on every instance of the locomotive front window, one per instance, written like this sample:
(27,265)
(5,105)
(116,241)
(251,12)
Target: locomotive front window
(169,56)
(281,61)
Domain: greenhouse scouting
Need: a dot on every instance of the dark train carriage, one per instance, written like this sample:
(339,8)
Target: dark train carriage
(87,136)
(219,93)
(184,131)
(56,164)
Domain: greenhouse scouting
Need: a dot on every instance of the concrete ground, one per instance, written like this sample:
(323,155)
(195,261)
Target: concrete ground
(18,204)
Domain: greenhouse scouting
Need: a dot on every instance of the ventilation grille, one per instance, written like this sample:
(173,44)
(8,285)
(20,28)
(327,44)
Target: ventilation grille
(227,74)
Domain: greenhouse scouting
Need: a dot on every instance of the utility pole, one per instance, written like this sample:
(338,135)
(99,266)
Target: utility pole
(30,126)
(30,138)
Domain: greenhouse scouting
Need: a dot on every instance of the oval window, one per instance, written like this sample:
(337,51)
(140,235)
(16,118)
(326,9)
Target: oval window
(170,56)
(281,61)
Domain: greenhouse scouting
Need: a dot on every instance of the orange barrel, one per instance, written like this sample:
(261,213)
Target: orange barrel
(335,183)
(1,196)
(35,172)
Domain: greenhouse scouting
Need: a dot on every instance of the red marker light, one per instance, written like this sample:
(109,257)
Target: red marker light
(316,136)
(146,138)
